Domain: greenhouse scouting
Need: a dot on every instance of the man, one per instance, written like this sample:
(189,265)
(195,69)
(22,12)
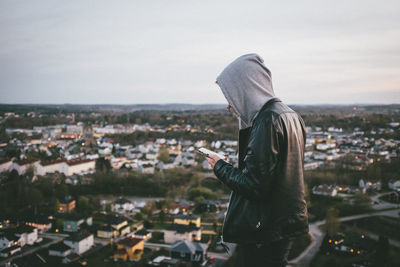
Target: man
(267,207)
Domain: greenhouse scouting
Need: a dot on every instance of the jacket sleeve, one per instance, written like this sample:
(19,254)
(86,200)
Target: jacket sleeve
(255,179)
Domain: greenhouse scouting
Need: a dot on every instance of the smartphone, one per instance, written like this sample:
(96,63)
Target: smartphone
(206,152)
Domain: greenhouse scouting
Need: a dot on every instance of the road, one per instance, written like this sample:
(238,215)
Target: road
(382,204)
(304,259)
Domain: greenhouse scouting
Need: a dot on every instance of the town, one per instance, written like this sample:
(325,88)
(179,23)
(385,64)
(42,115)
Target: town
(103,187)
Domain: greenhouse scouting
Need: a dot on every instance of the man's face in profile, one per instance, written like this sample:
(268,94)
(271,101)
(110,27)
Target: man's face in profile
(229,107)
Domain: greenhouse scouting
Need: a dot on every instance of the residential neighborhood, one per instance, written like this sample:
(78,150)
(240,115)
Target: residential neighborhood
(138,194)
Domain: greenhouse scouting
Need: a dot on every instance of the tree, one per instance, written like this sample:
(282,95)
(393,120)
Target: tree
(138,216)
(332,222)
(163,154)
(83,205)
(103,165)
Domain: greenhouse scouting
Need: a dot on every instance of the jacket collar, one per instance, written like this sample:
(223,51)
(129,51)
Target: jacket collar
(269,102)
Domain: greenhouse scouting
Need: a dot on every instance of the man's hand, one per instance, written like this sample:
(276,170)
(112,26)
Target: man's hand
(212,159)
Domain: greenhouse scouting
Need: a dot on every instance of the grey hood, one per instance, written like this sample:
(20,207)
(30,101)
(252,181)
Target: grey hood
(247,86)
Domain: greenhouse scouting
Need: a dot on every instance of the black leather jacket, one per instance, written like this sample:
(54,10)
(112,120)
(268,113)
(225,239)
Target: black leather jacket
(267,200)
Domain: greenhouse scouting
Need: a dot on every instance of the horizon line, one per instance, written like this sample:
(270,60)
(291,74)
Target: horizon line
(193,104)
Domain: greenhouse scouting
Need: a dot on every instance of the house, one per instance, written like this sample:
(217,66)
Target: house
(5,165)
(117,222)
(59,250)
(122,205)
(50,166)
(22,166)
(180,232)
(67,205)
(143,234)
(208,229)
(146,167)
(28,235)
(67,167)
(325,190)
(129,248)
(394,185)
(189,251)
(42,223)
(124,230)
(22,235)
(187,219)
(8,239)
(74,223)
(79,166)
(106,231)
(80,242)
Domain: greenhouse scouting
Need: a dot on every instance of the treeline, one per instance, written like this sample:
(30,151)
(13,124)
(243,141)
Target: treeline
(382,171)
(18,195)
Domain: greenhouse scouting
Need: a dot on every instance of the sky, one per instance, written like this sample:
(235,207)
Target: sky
(171,51)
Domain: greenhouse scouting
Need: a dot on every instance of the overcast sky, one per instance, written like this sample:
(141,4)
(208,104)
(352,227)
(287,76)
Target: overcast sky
(170,51)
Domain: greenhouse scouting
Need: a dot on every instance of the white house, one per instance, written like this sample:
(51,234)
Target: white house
(325,190)
(23,165)
(180,232)
(41,168)
(394,184)
(80,166)
(28,235)
(80,242)
(122,205)
(68,167)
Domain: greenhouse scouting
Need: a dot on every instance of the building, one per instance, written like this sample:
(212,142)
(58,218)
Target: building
(8,239)
(74,223)
(117,222)
(80,242)
(187,219)
(325,190)
(129,248)
(106,231)
(123,205)
(41,223)
(21,236)
(79,166)
(189,251)
(66,205)
(142,234)
(5,165)
(67,167)
(27,235)
(22,166)
(182,232)
(394,185)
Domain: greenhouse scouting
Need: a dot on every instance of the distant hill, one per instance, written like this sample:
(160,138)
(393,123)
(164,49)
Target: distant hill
(317,109)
